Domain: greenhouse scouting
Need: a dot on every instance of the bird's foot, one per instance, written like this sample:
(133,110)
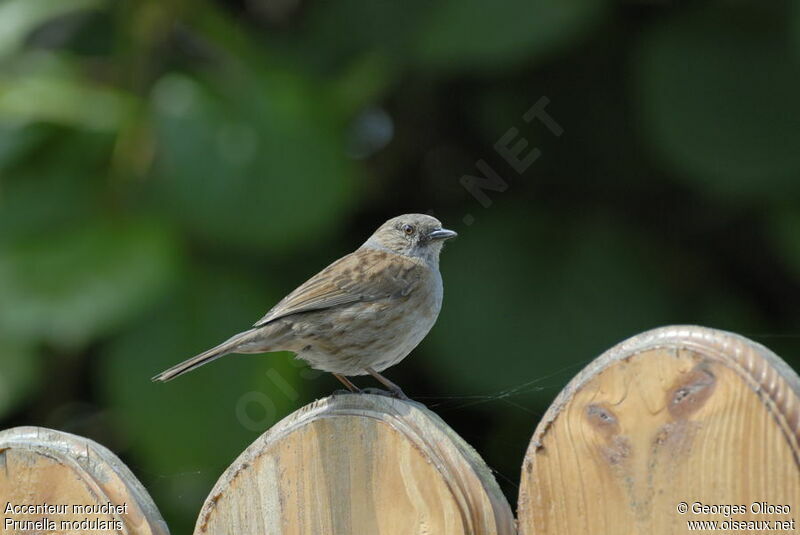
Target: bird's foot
(395,390)
(399,394)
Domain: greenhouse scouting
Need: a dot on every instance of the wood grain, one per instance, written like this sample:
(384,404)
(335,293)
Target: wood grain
(679,414)
(41,466)
(358,464)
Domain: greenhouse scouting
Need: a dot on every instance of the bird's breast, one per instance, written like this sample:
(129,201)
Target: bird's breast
(426,300)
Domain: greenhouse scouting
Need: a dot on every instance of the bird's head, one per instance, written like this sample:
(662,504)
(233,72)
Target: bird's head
(415,235)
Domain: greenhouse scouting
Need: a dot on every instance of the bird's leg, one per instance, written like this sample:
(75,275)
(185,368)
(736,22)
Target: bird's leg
(347,382)
(393,388)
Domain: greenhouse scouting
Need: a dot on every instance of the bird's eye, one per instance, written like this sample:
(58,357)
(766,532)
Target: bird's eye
(408,229)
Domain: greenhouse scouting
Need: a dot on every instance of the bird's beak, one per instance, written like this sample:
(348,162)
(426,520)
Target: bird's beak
(442,234)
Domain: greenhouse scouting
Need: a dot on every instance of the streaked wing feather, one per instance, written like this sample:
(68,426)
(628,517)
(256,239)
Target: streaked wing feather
(365,275)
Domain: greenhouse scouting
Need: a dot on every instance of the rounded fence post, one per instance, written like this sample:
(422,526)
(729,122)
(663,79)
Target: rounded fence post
(674,426)
(357,464)
(69,484)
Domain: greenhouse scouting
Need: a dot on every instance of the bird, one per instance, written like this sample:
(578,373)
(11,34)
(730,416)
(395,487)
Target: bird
(360,315)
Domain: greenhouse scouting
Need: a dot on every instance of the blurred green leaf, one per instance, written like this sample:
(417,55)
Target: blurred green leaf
(228,402)
(50,89)
(261,167)
(39,194)
(718,89)
(19,372)
(15,140)
(19,17)
(468,34)
(363,83)
(70,285)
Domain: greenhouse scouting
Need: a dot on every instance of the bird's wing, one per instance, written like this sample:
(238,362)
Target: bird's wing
(365,275)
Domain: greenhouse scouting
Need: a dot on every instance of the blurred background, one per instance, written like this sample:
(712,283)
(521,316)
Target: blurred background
(170,169)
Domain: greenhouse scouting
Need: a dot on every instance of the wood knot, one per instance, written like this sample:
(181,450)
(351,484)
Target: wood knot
(691,392)
(602,419)
(600,414)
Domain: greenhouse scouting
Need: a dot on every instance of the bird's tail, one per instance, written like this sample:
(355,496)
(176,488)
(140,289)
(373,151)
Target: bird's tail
(234,344)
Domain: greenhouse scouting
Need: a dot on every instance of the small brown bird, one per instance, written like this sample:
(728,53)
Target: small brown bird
(363,313)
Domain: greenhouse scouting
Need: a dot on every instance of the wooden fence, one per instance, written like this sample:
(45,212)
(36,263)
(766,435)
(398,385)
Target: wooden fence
(676,425)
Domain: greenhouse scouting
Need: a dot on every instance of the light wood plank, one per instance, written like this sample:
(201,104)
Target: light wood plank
(679,414)
(41,466)
(362,464)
